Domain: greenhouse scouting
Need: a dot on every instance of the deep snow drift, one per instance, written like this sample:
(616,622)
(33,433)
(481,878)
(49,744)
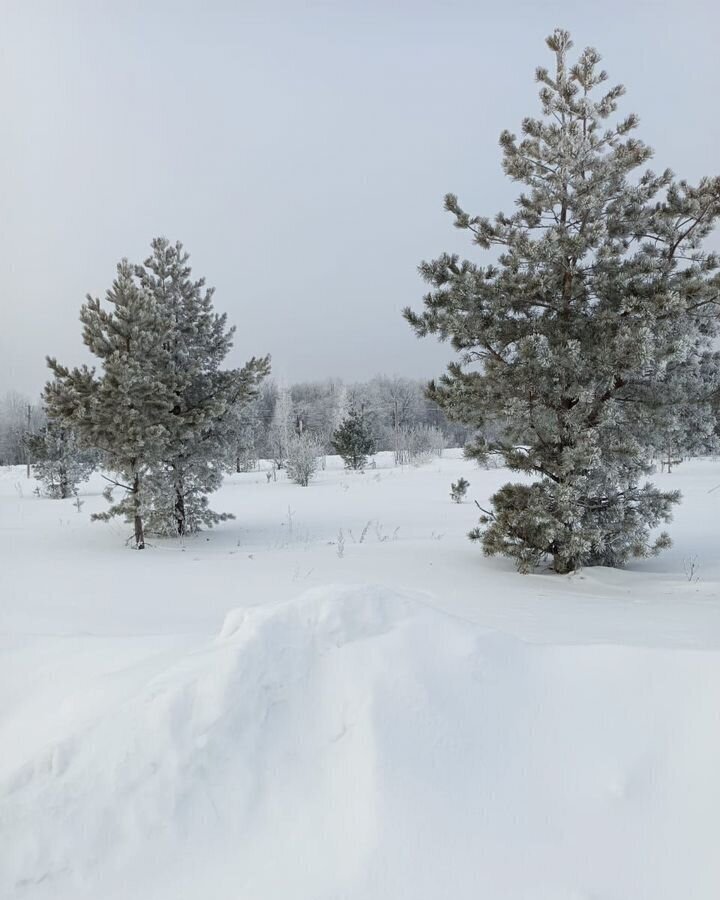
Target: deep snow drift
(179,725)
(356,743)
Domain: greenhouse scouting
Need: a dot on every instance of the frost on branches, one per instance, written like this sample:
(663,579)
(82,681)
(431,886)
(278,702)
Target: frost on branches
(586,343)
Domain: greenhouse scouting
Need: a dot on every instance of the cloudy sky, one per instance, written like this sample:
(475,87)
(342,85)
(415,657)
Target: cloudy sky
(300,150)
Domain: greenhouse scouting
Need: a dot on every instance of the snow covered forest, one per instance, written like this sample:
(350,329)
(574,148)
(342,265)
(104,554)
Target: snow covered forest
(454,636)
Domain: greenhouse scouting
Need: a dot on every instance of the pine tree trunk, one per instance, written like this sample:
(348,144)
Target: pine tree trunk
(180,511)
(139,531)
(561,564)
(64,492)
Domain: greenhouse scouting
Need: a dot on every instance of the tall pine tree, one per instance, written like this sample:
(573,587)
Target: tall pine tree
(587,338)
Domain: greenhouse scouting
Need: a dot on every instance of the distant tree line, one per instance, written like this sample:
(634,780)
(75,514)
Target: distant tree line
(395,411)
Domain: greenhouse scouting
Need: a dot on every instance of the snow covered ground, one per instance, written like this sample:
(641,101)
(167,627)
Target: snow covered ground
(263,713)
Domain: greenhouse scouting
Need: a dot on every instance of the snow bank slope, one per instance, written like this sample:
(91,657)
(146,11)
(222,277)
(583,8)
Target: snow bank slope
(355,743)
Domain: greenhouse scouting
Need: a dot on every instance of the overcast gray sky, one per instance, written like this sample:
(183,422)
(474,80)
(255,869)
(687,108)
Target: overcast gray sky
(300,150)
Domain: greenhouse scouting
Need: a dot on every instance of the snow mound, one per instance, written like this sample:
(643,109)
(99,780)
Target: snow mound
(356,743)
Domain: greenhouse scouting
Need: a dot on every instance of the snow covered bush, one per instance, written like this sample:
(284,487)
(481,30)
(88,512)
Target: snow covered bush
(303,452)
(587,339)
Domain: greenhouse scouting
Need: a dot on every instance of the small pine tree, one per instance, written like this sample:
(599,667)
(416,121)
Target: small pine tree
(120,411)
(458,490)
(302,462)
(60,463)
(588,337)
(352,440)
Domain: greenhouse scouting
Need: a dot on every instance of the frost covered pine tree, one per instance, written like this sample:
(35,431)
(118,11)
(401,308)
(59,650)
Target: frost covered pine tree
(121,410)
(353,441)
(587,338)
(59,462)
(206,399)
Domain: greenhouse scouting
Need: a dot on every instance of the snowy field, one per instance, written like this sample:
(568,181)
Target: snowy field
(265,713)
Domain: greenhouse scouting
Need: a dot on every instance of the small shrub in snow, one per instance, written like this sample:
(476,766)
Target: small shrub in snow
(302,458)
(458,489)
(691,568)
